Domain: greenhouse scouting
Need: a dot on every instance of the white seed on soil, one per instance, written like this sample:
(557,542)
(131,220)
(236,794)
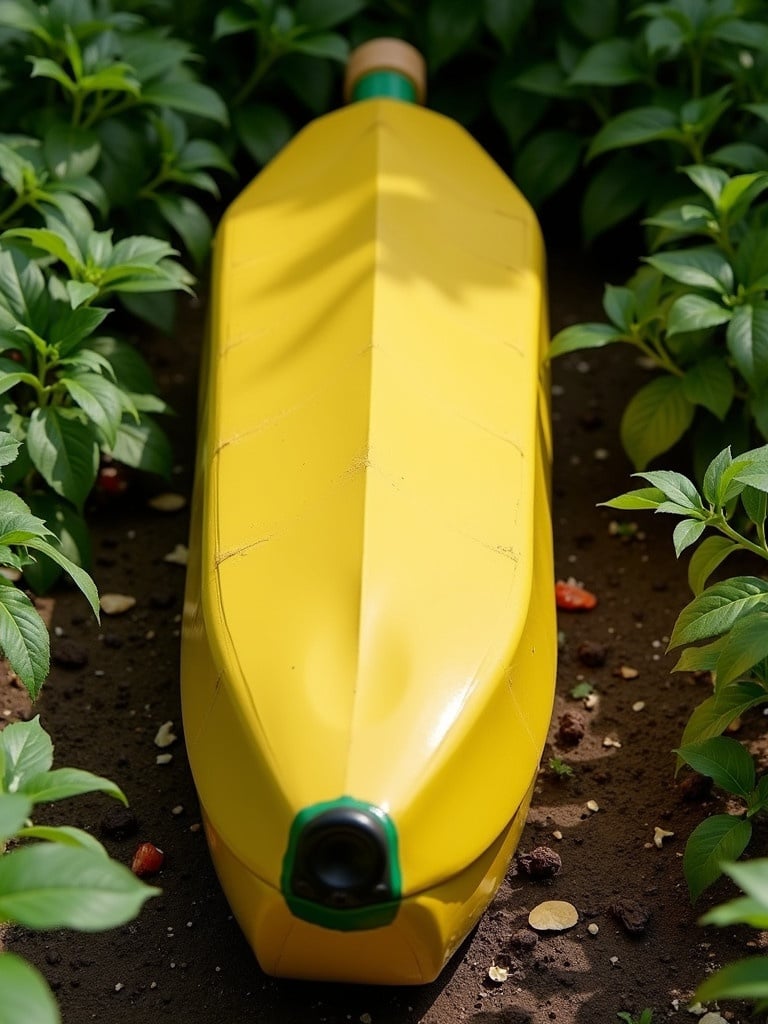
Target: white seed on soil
(659,835)
(116,604)
(638,705)
(593,806)
(165,735)
(167,502)
(592,929)
(498,974)
(627,672)
(553,916)
(178,809)
(163,758)
(179,555)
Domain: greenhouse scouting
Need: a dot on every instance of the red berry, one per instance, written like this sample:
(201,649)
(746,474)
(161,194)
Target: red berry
(147,860)
(111,480)
(573,598)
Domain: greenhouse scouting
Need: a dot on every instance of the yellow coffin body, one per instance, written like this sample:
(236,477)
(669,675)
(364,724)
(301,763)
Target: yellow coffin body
(369,610)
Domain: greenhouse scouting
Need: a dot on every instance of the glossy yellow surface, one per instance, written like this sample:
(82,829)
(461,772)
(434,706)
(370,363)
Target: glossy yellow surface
(369,604)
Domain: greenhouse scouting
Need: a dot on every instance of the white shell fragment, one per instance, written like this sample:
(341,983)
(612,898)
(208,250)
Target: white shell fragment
(165,735)
(167,502)
(179,555)
(116,604)
(498,973)
(659,835)
(553,916)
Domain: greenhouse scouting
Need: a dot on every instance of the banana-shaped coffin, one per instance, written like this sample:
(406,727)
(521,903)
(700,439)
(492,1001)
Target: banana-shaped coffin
(369,636)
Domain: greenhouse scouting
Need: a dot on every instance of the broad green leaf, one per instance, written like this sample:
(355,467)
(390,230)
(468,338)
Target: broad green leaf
(687,532)
(27,750)
(143,446)
(23,15)
(65,453)
(742,156)
(747,339)
(710,553)
(711,180)
(100,399)
(751,878)
(68,835)
(232,21)
(709,383)
(580,336)
(325,44)
(621,186)
(635,127)
(81,292)
(746,645)
(655,418)
(263,129)
(739,193)
(53,886)
(189,221)
(715,841)
(675,486)
(26,996)
(642,498)
(744,979)
(69,151)
(695,313)
(620,306)
(700,267)
(24,639)
(700,659)
(9,448)
(450,26)
(188,97)
(22,288)
(80,577)
(131,368)
(610,62)
(505,18)
(69,535)
(715,610)
(43,67)
(322,14)
(14,811)
(743,910)
(60,783)
(725,761)
(17,524)
(544,79)
(50,242)
(755,504)
(716,713)
(593,20)
(545,162)
(72,326)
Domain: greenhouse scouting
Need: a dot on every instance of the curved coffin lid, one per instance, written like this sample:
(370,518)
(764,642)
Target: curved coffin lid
(370,492)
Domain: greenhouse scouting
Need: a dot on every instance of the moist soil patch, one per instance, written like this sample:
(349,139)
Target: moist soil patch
(112,686)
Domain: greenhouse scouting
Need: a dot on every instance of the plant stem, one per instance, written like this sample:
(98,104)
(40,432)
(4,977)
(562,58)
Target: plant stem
(262,67)
(18,203)
(720,523)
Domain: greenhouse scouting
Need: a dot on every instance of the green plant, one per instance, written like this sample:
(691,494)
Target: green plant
(645,1017)
(748,978)
(699,314)
(66,879)
(560,768)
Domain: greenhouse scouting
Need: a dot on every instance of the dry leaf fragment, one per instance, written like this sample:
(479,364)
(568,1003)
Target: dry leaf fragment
(179,555)
(553,916)
(165,736)
(498,973)
(167,502)
(116,604)
(659,835)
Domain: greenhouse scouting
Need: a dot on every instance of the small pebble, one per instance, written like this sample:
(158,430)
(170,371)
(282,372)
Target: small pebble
(163,758)
(557,834)
(497,973)
(609,741)
(638,705)
(626,672)
(179,555)
(571,728)
(614,960)
(541,862)
(593,806)
(167,502)
(178,809)
(593,929)
(119,986)
(116,604)
(632,916)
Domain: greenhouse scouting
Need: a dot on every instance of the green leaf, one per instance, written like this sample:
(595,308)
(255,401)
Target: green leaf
(53,886)
(655,418)
(710,383)
(189,221)
(702,267)
(65,453)
(695,313)
(706,558)
(675,486)
(719,839)
(642,498)
(69,535)
(742,156)
(580,336)
(755,504)
(61,783)
(72,326)
(80,577)
(618,190)
(633,128)
(26,996)
(188,97)
(325,44)
(130,367)
(620,305)
(231,22)
(711,180)
(687,532)
(143,446)
(100,399)
(746,645)
(739,193)
(743,910)
(545,162)
(24,639)
(23,15)
(544,79)
(716,713)
(723,760)
(263,129)
(747,339)
(700,659)
(69,151)
(594,19)
(505,18)
(17,524)
(450,26)
(322,14)
(27,750)
(43,67)
(50,242)
(14,811)
(609,62)
(717,609)
(80,292)
(68,835)
(752,877)
(744,979)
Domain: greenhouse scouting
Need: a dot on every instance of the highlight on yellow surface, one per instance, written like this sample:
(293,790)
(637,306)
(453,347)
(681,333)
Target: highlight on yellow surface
(369,639)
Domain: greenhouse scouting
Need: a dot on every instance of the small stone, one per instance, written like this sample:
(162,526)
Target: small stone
(167,502)
(119,823)
(632,916)
(165,736)
(571,728)
(541,862)
(626,672)
(116,604)
(68,654)
(163,758)
(609,741)
(593,806)
(553,916)
(591,654)
(195,827)
(638,705)
(557,834)
(593,929)
(179,555)
(119,986)
(659,835)
(177,810)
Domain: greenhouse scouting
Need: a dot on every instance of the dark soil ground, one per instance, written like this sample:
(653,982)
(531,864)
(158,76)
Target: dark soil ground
(185,959)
